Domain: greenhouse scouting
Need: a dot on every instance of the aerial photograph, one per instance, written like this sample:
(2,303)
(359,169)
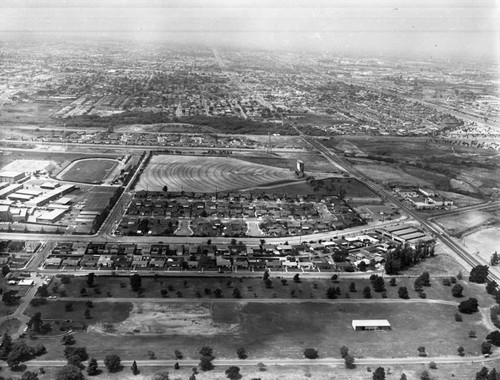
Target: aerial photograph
(250,189)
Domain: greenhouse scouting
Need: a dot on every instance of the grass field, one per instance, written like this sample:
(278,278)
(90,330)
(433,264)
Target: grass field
(88,170)
(94,198)
(456,225)
(274,330)
(206,174)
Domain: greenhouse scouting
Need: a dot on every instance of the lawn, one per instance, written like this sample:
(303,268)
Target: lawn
(88,170)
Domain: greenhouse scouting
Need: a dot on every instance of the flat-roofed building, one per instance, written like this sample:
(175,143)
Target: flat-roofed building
(370,324)
(10,189)
(11,176)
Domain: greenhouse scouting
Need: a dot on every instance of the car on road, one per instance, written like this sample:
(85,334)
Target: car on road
(52,297)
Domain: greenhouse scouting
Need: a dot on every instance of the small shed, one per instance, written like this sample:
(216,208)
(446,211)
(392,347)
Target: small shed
(370,324)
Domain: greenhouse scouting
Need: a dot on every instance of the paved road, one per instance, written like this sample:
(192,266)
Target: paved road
(333,362)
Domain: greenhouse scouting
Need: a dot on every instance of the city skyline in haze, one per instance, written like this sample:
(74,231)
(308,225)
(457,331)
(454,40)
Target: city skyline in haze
(439,28)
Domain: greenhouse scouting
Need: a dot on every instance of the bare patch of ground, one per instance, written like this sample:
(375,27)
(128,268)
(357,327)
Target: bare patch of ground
(166,319)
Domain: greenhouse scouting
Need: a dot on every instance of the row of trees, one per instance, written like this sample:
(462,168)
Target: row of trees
(405,256)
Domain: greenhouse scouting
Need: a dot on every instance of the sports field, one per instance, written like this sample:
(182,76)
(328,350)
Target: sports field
(92,170)
(207,174)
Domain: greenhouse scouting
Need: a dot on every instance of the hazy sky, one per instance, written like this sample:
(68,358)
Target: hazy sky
(428,27)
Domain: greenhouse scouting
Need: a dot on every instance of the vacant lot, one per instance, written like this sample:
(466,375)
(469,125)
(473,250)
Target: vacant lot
(458,224)
(94,198)
(88,170)
(206,174)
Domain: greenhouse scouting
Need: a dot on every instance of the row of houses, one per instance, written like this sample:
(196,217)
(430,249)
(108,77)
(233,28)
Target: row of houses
(346,253)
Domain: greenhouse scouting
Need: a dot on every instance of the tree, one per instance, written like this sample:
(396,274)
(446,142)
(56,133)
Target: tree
(425,278)
(494,338)
(236,293)
(29,376)
(425,376)
(90,279)
(421,351)
(461,351)
(112,362)
(367,293)
(177,366)
(68,340)
(472,334)
(478,274)
(207,351)
(331,293)
(134,368)
(233,373)
(241,352)
(349,361)
(482,374)
(403,376)
(81,352)
(392,281)
(495,259)
(344,351)
(136,282)
(469,306)
(69,372)
(178,355)
(35,322)
(493,374)
(86,314)
(378,284)
(311,353)
(432,365)
(10,298)
(165,188)
(491,287)
(403,292)
(296,278)
(6,346)
(457,290)
(5,270)
(92,368)
(352,287)
(20,352)
(379,374)
(206,363)
(486,348)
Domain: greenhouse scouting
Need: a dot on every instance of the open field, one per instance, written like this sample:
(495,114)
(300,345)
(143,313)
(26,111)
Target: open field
(29,113)
(164,128)
(382,172)
(484,241)
(457,225)
(206,174)
(444,167)
(88,170)
(95,198)
(273,330)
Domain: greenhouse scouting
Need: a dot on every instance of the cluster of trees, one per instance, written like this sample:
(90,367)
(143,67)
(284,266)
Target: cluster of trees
(15,353)
(404,256)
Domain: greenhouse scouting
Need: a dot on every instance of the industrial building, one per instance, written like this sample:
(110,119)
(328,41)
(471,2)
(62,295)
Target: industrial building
(11,176)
